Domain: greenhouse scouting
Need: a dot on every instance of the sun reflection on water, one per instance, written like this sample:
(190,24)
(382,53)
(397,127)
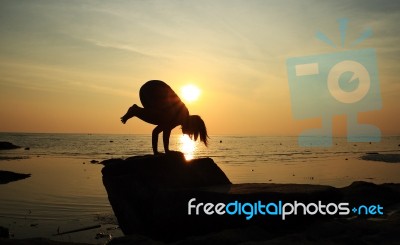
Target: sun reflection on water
(187,146)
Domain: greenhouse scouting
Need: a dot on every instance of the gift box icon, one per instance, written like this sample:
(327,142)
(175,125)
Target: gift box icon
(332,84)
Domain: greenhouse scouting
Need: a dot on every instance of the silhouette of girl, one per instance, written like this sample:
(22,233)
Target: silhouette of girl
(163,107)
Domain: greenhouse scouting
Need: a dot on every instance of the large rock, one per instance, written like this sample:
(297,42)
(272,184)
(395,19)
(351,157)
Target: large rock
(7,176)
(4,232)
(8,146)
(166,171)
(144,191)
(150,195)
(374,156)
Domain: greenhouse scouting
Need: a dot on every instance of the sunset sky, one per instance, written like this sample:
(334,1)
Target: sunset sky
(76,66)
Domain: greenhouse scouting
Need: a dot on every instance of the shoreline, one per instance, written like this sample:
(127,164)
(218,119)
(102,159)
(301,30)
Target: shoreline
(338,171)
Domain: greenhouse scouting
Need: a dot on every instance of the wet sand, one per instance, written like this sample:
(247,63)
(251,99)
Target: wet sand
(62,194)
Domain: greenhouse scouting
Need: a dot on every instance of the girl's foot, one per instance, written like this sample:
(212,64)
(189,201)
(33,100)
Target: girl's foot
(129,114)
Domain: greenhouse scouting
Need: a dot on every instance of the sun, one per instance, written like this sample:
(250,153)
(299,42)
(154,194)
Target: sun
(190,92)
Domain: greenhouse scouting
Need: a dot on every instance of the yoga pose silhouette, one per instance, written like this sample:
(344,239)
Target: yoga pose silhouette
(163,107)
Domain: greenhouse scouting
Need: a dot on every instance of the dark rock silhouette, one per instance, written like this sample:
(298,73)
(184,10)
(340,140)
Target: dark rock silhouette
(7,176)
(4,232)
(8,146)
(165,171)
(150,195)
(375,156)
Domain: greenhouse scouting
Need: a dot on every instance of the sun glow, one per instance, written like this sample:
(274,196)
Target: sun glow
(190,92)
(187,146)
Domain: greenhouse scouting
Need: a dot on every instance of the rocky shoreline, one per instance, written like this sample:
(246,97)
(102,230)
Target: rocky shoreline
(150,198)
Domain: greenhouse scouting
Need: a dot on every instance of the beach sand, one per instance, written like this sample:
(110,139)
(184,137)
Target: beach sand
(66,193)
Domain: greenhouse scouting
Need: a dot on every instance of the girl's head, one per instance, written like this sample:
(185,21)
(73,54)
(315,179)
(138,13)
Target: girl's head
(195,127)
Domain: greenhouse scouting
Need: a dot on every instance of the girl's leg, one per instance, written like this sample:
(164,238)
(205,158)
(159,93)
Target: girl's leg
(149,116)
(129,114)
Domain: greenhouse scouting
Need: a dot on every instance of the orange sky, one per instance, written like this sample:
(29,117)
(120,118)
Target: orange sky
(74,66)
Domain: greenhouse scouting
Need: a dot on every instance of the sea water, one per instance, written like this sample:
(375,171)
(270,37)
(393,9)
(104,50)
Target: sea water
(224,149)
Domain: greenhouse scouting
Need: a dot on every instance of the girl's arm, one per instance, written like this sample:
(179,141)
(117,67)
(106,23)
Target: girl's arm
(154,138)
(166,135)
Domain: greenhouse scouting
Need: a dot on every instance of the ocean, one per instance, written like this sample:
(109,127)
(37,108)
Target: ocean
(224,149)
(65,191)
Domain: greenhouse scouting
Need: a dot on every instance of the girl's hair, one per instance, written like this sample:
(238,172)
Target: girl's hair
(195,127)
